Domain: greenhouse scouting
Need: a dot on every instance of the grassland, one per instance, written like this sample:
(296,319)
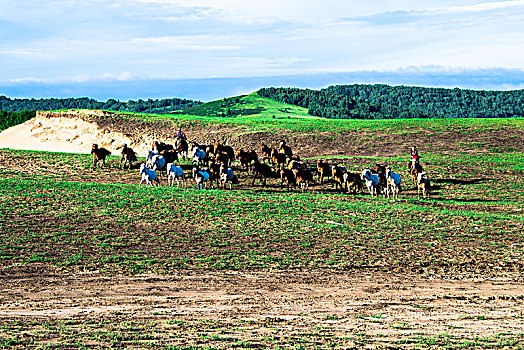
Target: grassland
(60,220)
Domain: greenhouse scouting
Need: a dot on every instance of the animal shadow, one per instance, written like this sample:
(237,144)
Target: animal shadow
(459,182)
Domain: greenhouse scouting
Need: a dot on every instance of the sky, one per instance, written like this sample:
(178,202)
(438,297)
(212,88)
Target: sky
(58,47)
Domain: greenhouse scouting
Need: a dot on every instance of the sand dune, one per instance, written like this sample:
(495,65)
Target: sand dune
(64,132)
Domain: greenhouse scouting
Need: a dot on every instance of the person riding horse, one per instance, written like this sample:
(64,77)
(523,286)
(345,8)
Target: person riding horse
(180,135)
(414,158)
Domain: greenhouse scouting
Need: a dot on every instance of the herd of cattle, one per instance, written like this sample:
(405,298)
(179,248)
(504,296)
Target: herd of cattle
(212,165)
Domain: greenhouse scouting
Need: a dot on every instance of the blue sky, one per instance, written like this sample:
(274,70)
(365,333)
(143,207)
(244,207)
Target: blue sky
(70,44)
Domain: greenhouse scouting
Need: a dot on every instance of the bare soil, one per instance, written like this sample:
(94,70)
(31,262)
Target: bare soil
(267,308)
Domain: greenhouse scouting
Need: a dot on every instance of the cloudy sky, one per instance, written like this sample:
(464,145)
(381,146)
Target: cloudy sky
(81,42)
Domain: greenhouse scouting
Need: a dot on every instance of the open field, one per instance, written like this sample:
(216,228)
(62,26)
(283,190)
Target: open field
(89,259)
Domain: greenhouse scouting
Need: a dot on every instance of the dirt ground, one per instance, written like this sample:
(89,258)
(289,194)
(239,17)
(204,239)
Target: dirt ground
(352,310)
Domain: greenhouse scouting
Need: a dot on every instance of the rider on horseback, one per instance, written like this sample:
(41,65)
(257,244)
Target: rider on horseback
(180,135)
(414,157)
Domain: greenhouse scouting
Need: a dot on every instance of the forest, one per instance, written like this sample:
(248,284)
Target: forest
(140,106)
(390,102)
(9,119)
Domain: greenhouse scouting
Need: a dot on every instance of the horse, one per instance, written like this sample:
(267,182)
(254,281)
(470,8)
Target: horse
(198,155)
(149,176)
(246,158)
(266,153)
(338,172)
(201,177)
(99,154)
(415,169)
(381,172)
(181,147)
(227,176)
(393,183)
(128,156)
(353,181)
(322,169)
(278,159)
(161,146)
(372,181)
(423,185)
(174,173)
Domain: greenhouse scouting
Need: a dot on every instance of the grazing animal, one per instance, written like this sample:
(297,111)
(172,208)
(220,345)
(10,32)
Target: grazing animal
(201,177)
(288,176)
(372,181)
(128,156)
(198,155)
(99,155)
(149,176)
(304,177)
(227,176)
(322,169)
(266,153)
(337,172)
(174,173)
(393,183)
(353,182)
(262,171)
(278,159)
(246,158)
(423,185)
(182,148)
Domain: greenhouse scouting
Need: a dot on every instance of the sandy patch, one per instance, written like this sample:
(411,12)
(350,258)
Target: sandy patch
(64,132)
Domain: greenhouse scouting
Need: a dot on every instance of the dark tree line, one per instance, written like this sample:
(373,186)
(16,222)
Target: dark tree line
(139,106)
(9,119)
(383,101)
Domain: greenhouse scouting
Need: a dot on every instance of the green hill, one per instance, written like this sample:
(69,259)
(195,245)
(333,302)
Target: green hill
(252,105)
